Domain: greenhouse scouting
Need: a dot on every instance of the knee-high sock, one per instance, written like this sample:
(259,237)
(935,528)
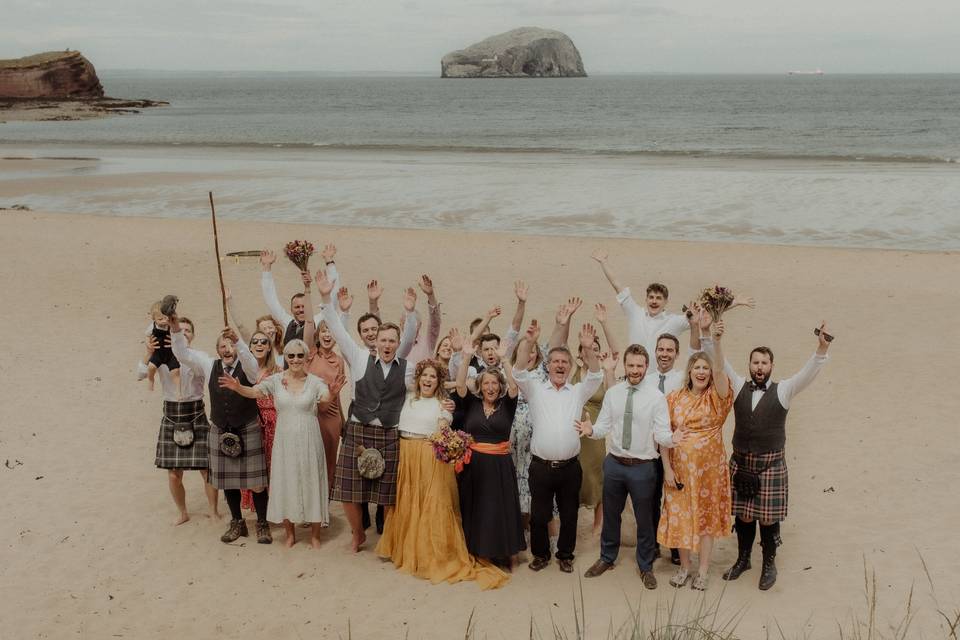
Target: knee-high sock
(770,538)
(233,498)
(746,535)
(260,504)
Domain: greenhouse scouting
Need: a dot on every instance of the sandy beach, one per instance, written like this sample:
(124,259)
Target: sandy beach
(89,550)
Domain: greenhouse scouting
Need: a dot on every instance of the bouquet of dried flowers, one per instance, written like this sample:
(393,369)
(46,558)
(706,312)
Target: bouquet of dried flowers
(715,300)
(299,252)
(452,446)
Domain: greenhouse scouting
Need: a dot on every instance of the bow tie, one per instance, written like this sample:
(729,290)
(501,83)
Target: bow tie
(758,387)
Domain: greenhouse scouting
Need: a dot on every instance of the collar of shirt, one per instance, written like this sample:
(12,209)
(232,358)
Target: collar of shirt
(384,363)
(549,385)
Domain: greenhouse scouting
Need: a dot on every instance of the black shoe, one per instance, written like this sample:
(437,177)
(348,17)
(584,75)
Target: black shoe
(237,529)
(768,575)
(566,564)
(675,557)
(538,563)
(741,565)
(263,532)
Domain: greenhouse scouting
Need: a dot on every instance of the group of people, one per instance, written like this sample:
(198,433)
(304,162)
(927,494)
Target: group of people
(553,428)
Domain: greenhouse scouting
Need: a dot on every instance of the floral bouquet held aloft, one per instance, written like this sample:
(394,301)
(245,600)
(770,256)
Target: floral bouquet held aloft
(716,300)
(299,252)
(452,446)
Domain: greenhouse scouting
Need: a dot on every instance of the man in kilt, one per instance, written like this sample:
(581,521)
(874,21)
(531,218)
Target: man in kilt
(183,412)
(231,413)
(380,388)
(758,468)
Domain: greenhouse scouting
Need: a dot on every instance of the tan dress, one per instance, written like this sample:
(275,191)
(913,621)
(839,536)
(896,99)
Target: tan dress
(702,507)
(328,366)
(592,452)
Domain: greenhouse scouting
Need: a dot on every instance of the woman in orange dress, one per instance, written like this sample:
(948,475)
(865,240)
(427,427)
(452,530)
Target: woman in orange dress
(328,365)
(696,483)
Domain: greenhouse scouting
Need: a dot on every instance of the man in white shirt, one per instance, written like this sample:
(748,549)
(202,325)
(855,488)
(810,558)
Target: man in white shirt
(555,471)
(645,324)
(635,417)
(758,466)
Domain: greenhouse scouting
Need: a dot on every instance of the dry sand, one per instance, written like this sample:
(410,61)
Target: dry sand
(88,546)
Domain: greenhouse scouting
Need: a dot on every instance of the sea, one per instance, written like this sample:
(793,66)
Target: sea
(835,160)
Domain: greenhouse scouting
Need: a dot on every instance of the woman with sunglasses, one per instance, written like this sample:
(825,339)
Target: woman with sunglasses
(262,348)
(298,474)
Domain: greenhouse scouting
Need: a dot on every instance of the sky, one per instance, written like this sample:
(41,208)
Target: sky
(410,36)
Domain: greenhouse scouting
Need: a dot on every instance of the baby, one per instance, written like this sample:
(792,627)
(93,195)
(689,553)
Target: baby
(163,355)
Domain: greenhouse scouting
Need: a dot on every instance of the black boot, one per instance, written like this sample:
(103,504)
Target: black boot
(769,539)
(746,534)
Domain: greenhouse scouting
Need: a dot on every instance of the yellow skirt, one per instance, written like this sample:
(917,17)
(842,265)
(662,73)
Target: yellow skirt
(422,534)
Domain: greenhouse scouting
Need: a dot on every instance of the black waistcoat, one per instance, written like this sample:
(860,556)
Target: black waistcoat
(294,332)
(229,409)
(762,429)
(376,397)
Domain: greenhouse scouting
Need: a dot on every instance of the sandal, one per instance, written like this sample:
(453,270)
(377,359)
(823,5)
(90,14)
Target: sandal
(699,583)
(680,578)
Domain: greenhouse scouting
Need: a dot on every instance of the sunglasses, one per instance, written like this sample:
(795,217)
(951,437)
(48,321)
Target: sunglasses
(295,356)
(259,341)
(826,336)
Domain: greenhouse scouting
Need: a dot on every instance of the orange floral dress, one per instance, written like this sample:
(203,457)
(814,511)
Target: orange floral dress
(702,507)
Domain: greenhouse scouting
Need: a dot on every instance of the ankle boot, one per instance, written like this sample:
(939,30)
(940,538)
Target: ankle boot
(746,534)
(741,565)
(768,575)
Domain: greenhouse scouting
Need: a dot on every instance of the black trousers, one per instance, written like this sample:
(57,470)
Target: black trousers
(546,484)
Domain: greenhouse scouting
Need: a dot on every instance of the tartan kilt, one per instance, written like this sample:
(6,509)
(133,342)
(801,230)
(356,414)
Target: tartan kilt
(172,456)
(249,469)
(770,503)
(348,484)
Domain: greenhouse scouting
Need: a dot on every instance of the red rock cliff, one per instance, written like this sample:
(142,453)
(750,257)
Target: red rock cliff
(55,74)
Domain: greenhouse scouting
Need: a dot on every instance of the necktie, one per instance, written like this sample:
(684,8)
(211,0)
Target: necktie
(628,419)
(662,378)
(758,387)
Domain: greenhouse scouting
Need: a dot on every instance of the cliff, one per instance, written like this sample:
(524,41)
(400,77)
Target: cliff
(51,75)
(527,52)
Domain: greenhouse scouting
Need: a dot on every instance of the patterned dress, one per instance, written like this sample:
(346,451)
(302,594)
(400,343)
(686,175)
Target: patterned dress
(702,507)
(268,427)
(520,435)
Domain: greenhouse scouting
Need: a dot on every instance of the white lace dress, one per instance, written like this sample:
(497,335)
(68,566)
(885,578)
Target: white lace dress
(298,470)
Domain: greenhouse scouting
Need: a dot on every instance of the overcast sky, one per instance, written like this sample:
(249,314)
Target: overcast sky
(412,35)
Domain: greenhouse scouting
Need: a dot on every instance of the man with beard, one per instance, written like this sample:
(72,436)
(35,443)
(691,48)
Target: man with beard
(636,418)
(758,468)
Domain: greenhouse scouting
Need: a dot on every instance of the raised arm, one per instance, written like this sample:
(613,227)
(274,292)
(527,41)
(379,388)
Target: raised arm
(433,307)
(269,288)
(608,362)
(600,315)
(720,380)
(374,291)
(502,352)
(310,323)
(237,321)
(796,383)
(561,327)
(483,326)
(601,258)
(468,350)
(525,353)
(196,360)
(354,354)
(229,382)
(520,289)
(248,362)
(410,323)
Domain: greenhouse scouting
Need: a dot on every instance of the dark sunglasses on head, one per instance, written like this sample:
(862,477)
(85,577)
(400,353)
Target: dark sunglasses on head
(295,356)
(826,336)
(259,341)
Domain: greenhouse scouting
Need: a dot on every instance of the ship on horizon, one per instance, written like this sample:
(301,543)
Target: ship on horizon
(816,72)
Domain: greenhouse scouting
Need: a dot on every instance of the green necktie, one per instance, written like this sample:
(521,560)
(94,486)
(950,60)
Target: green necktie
(628,419)
(663,377)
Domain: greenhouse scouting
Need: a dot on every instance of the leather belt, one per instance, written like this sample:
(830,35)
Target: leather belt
(553,464)
(629,461)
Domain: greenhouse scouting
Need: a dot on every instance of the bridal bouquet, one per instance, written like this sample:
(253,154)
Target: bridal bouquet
(299,252)
(452,446)
(715,300)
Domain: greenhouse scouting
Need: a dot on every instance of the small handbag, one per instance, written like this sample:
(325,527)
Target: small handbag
(183,435)
(231,444)
(370,463)
(746,483)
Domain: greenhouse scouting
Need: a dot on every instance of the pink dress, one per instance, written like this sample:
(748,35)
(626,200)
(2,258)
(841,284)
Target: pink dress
(268,426)
(329,366)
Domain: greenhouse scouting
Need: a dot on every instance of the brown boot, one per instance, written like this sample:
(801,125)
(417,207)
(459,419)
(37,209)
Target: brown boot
(263,532)
(237,528)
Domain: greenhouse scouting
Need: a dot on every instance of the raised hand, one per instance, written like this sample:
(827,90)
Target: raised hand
(608,361)
(305,276)
(494,312)
(230,334)
(502,351)
(329,252)
(426,285)
(533,332)
(344,299)
(227,295)
(563,314)
(267,258)
(467,348)
(824,338)
(600,313)
(456,339)
(583,427)
(718,329)
(587,336)
(409,300)
(704,319)
(599,256)
(229,382)
(744,301)
(324,286)
(374,290)
(573,304)
(520,288)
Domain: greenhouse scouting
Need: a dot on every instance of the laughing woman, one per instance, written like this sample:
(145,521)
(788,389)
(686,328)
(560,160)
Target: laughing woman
(262,348)
(422,535)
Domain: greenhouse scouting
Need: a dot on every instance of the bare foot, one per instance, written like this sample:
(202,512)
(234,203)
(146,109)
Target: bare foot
(289,541)
(183,517)
(315,542)
(358,540)
(216,515)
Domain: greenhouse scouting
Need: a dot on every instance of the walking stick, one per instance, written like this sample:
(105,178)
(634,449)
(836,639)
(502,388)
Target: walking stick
(216,251)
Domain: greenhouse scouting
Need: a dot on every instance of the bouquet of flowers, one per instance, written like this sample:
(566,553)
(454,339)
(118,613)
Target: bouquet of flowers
(452,446)
(715,300)
(299,252)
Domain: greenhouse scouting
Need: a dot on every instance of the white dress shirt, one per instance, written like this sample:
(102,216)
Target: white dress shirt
(672,380)
(202,363)
(643,328)
(553,412)
(191,384)
(651,421)
(786,388)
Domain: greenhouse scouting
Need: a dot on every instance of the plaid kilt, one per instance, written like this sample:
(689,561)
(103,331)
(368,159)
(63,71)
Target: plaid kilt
(171,456)
(248,470)
(348,484)
(770,503)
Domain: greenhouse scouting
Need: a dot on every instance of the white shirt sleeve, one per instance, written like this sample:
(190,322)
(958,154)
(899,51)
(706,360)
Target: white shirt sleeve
(454,366)
(677,324)
(793,385)
(511,340)
(409,335)
(589,385)
(525,381)
(661,424)
(408,374)
(629,305)
(604,419)
(196,360)
(269,289)
(354,354)
(248,362)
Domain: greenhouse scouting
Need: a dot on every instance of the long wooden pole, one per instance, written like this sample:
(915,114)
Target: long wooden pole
(216,250)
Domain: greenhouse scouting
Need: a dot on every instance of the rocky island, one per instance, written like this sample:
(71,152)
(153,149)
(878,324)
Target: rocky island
(527,52)
(57,85)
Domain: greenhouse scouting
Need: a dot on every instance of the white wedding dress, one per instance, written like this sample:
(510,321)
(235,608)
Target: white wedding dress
(298,469)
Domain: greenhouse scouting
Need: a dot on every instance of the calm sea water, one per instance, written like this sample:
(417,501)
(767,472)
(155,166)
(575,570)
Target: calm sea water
(838,160)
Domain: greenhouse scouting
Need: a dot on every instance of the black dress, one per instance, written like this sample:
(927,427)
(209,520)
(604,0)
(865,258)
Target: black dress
(489,499)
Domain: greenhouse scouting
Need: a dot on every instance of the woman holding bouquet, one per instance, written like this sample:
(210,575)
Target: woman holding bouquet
(422,534)
(489,498)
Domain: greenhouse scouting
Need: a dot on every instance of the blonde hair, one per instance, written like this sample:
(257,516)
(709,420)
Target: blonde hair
(694,357)
(269,365)
(296,342)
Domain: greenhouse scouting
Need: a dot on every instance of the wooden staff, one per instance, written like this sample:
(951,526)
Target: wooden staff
(216,252)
